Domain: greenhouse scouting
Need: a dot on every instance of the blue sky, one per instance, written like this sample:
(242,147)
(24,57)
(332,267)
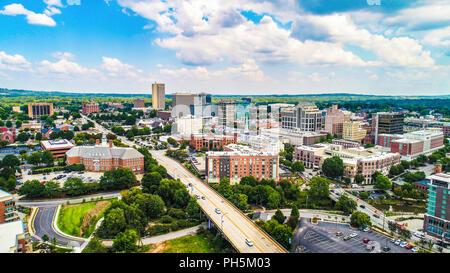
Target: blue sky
(227,47)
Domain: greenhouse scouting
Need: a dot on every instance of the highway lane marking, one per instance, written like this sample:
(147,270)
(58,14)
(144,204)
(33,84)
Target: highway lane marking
(245,234)
(238,212)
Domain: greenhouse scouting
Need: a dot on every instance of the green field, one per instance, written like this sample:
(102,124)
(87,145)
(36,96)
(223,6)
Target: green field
(189,244)
(70,218)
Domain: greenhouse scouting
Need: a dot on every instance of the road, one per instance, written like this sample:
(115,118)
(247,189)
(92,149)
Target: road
(234,224)
(54,203)
(43,225)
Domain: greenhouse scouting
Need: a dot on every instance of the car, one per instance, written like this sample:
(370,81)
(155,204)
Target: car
(419,235)
(217,211)
(362,206)
(198,196)
(409,246)
(190,185)
(248,242)
(403,244)
(397,242)
(366,229)
(339,233)
(386,249)
(366,240)
(203,198)
(353,235)
(376,216)
(331,190)
(415,249)
(347,238)
(393,240)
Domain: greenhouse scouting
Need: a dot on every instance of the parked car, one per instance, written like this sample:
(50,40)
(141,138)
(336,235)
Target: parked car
(409,246)
(347,238)
(366,229)
(386,249)
(403,244)
(339,233)
(366,240)
(353,235)
(419,235)
(397,242)
(415,249)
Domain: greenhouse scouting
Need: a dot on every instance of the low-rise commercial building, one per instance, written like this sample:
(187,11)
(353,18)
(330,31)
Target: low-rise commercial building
(238,161)
(210,141)
(356,160)
(91,107)
(13,238)
(57,147)
(8,211)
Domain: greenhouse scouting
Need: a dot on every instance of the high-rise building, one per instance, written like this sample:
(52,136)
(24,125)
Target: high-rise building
(437,219)
(351,131)
(305,117)
(387,123)
(158,96)
(227,113)
(91,107)
(190,104)
(35,110)
(334,121)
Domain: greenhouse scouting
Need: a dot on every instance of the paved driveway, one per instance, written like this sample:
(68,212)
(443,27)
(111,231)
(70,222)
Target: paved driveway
(43,225)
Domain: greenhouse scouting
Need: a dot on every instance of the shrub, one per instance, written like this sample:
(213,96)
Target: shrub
(166,219)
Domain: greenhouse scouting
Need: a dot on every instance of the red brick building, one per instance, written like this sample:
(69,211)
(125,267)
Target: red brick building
(57,147)
(238,161)
(445,126)
(210,142)
(407,147)
(88,108)
(7,208)
(106,157)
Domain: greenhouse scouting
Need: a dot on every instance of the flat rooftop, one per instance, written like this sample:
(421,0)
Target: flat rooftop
(8,235)
(57,143)
(440,177)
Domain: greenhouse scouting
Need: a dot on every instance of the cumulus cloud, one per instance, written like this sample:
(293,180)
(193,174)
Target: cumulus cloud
(438,37)
(116,68)
(13,62)
(65,68)
(248,70)
(32,18)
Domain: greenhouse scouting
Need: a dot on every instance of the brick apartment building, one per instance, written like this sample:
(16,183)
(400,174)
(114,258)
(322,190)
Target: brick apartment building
(7,208)
(139,103)
(106,157)
(445,126)
(238,161)
(91,107)
(210,142)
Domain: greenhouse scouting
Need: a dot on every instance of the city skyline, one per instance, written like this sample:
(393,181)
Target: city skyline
(239,47)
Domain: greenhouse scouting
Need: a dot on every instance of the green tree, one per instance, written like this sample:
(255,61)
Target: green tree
(125,242)
(74,186)
(193,209)
(279,216)
(333,167)
(150,182)
(319,187)
(360,219)
(297,166)
(282,234)
(345,204)
(52,188)
(274,199)
(359,178)
(239,200)
(10,161)
(32,189)
(95,246)
(181,198)
(47,158)
(121,178)
(382,183)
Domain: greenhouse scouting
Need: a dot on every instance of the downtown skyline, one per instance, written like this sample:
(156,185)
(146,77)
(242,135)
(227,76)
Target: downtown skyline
(251,47)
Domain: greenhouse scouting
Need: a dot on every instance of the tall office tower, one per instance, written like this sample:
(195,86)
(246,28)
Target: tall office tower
(305,117)
(158,96)
(387,123)
(437,219)
(227,113)
(351,130)
(35,110)
(190,104)
(334,120)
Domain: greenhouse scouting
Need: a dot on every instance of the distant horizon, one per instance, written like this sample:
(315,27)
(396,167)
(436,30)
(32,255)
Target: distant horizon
(221,95)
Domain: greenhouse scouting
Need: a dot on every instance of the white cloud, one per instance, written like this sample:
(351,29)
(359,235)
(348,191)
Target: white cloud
(52,11)
(438,37)
(248,70)
(56,3)
(397,51)
(64,67)
(32,18)
(374,77)
(118,69)
(13,62)
(63,56)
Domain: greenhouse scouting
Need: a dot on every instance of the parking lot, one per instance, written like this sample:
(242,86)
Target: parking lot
(321,238)
(87,177)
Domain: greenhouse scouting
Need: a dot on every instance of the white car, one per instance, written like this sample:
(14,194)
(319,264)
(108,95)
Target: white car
(403,244)
(248,242)
(397,242)
(217,211)
(366,229)
(415,249)
(353,235)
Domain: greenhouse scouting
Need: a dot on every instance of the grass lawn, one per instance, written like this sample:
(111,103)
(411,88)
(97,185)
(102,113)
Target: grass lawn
(189,244)
(70,218)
